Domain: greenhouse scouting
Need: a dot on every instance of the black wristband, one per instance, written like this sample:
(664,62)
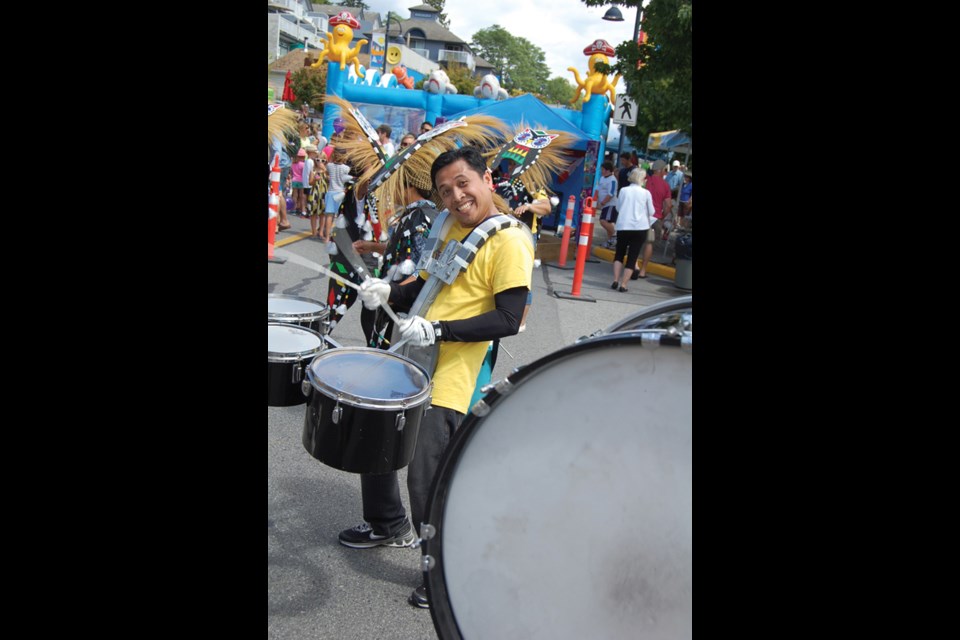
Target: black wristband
(437,330)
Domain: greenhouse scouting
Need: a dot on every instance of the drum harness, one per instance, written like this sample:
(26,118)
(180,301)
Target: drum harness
(444,267)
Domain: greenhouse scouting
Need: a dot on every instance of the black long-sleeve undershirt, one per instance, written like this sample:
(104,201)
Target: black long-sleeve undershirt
(502,321)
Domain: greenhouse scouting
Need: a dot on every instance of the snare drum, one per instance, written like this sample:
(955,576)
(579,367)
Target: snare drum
(305,312)
(289,349)
(563,506)
(364,409)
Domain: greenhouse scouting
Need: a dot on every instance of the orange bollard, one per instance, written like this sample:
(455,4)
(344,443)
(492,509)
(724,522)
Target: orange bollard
(583,248)
(562,260)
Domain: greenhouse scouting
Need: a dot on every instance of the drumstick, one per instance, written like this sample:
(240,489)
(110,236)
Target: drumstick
(386,307)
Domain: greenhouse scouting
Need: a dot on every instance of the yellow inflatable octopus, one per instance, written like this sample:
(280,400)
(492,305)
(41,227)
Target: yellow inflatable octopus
(596,82)
(337,48)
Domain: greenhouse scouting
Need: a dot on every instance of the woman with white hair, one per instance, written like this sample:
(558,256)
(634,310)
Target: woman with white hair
(634,225)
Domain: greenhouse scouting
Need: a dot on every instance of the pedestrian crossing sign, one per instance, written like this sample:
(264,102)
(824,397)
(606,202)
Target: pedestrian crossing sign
(625,112)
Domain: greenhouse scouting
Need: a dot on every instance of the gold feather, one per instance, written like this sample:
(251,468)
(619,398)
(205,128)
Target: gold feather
(411,166)
(281,123)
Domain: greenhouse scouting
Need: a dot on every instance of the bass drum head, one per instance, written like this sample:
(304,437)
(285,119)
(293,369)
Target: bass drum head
(566,511)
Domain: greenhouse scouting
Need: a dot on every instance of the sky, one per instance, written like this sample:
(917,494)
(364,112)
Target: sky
(561,28)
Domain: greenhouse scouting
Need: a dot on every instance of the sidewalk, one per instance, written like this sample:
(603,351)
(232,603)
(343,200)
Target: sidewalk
(661,262)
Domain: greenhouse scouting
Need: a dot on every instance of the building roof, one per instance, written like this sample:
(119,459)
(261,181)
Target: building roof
(431,30)
(424,7)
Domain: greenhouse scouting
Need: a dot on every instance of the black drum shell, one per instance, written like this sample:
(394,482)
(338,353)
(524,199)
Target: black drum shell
(281,390)
(287,370)
(362,440)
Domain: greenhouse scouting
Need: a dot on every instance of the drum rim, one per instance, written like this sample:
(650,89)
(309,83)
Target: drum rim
(444,621)
(361,402)
(323,313)
(660,308)
(294,356)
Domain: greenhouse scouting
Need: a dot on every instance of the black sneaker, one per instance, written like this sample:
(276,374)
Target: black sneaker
(419,597)
(363,537)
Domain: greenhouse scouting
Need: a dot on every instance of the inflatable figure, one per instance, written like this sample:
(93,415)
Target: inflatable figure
(596,82)
(489,88)
(337,48)
(439,82)
(400,71)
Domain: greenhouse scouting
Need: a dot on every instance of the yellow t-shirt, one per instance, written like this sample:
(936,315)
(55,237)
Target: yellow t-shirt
(504,261)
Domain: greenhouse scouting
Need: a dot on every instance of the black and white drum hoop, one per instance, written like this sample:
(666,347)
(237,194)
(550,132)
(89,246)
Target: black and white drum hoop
(298,310)
(675,314)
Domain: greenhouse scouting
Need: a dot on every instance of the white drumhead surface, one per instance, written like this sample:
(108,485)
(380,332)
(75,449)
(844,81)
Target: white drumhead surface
(291,339)
(293,306)
(569,513)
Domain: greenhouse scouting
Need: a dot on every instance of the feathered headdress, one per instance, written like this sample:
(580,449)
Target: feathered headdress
(538,154)
(280,122)
(390,177)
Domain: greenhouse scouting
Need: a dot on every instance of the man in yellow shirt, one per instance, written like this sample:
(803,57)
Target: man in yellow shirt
(482,304)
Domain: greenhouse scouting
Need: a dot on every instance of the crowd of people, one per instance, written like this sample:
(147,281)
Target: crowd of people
(641,205)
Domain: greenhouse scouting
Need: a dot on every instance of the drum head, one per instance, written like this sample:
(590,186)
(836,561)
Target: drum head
(294,307)
(289,342)
(369,378)
(566,511)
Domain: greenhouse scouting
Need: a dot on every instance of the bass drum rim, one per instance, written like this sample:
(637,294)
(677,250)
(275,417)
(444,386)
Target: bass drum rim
(432,562)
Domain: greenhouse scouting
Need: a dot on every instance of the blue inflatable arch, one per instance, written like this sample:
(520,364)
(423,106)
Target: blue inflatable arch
(587,125)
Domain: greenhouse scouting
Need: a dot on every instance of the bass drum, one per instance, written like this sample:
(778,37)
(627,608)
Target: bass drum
(563,508)
(675,315)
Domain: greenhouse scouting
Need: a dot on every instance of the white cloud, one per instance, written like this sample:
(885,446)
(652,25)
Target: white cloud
(561,29)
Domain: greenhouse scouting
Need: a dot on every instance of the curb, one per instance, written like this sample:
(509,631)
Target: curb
(655,268)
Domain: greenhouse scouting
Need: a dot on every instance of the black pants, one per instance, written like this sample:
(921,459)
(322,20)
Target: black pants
(382,506)
(629,243)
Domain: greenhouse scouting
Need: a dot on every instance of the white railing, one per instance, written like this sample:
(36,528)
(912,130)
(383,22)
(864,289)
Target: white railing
(298,33)
(463,57)
(294,7)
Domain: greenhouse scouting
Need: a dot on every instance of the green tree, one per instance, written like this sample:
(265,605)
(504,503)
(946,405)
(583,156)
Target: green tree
(438,5)
(520,64)
(663,86)
(461,78)
(309,84)
(355,4)
(557,90)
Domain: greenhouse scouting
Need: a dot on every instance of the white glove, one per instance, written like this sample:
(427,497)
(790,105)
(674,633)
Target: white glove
(419,332)
(374,293)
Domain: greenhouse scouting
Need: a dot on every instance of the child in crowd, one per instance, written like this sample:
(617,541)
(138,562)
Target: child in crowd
(296,175)
(338,175)
(317,193)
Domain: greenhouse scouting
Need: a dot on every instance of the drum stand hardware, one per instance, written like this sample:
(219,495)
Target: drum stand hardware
(296,375)
(427,531)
